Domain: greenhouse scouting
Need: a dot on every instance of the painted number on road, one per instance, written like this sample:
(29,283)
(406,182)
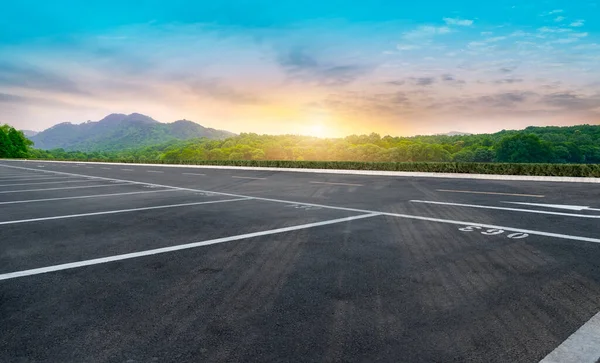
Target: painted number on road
(493,232)
(517,235)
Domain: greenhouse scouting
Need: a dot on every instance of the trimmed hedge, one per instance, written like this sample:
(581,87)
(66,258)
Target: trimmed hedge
(570,170)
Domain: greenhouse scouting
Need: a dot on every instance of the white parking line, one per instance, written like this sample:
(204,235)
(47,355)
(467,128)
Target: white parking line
(86,196)
(119,211)
(127,169)
(508,209)
(66,266)
(38,172)
(583,346)
(154,171)
(577,208)
(248,177)
(193,174)
(347,184)
(490,193)
(63,188)
(36,179)
(7,176)
(53,182)
(33,177)
(406,216)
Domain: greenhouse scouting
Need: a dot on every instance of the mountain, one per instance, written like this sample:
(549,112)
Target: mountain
(30,133)
(119,131)
(455,133)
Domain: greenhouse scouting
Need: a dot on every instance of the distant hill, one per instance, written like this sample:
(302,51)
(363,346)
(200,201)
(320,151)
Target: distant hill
(30,133)
(119,131)
(455,133)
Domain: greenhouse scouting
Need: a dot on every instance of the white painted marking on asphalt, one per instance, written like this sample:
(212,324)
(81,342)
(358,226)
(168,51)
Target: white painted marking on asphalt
(154,171)
(193,174)
(36,178)
(86,196)
(16,175)
(62,188)
(578,208)
(127,169)
(120,211)
(247,177)
(406,216)
(41,166)
(32,177)
(583,346)
(89,167)
(508,209)
(490,193)
(96,261)
(348,184)
(53,182)
(106,168)
(7,175)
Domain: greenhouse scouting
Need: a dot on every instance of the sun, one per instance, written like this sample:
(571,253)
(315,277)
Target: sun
(317,130)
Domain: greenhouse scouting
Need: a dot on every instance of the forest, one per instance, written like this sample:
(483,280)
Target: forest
(561,145)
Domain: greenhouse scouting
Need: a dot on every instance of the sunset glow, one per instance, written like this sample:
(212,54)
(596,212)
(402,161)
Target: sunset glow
(328,69)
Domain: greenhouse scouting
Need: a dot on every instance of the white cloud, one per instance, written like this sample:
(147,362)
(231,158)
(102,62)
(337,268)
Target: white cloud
(407,47)
(476,44)
(556,11)
(546,29)
(564,40)
(579,35)
(494,39)
(426,31)
(486,33)
(577,23)
(519,33)
(558,19)
(591,46)
(459,22)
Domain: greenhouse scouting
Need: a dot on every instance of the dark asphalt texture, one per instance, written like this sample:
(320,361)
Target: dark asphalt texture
(379,289)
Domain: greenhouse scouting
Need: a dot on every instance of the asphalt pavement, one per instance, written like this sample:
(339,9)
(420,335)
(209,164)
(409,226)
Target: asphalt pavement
(129,263)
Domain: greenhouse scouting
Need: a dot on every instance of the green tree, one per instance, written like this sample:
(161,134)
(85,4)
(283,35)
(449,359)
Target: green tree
(19,142)
(6,147)
(523,148)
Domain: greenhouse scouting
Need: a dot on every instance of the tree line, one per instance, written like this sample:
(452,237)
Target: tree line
(574,144)
(13,143)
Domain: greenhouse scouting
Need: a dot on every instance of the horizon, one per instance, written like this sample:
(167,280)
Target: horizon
(186,119)
(326,69)
(458,132)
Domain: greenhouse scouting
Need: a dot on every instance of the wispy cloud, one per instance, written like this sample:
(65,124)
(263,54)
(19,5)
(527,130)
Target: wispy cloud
(426,31)
(577,23)
(558,19)
(406,47)
(217,89)
(22,75)
(572,101)
(552,12)
(458,21)
(547,29)
(301,66)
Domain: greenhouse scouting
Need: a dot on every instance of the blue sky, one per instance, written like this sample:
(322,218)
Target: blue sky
(319,67)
